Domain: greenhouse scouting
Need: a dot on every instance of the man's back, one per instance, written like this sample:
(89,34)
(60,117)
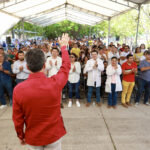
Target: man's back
(37,104)
(41,110)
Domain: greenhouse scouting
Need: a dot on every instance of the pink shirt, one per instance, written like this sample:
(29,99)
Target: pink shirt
(113,79)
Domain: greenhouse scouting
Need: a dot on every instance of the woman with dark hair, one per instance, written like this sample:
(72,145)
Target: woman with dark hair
(113,82)
(137,55)
(143,48)
(74,79)
(87,52)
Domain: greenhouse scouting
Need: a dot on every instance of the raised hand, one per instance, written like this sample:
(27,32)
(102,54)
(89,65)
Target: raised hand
(115,67)
(95,65)
(21,68)
(63,41)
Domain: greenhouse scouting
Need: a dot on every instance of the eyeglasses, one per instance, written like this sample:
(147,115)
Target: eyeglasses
(72,57)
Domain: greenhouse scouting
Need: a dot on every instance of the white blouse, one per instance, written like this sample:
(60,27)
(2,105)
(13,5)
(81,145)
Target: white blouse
(74,77)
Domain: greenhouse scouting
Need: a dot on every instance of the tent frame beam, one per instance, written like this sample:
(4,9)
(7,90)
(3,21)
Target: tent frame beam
(16,2)
(40,18)
(45,12)
(10,14)
(109,26)
(101,6)
(32,6)
(127,5)
(68,16)
(104,17)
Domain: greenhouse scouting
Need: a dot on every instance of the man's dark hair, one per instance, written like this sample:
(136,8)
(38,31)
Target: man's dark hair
(100,48)
(114,58)
(94,51)
(113,46)
(148,52)
(129,55)
(145,53)
(94,46)
(35,59)
(55,48)
(105,62)
(127,46)
(20,52)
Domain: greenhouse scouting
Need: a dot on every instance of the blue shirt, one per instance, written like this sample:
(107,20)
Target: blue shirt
(4,76)
(145,75)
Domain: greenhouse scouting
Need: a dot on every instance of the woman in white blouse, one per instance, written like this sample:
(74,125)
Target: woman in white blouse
(74,79)
(113,82)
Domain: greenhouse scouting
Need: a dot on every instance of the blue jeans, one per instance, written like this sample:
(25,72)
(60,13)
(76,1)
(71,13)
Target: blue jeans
(90,91)
(76,85)
(19,80)
(112,97)
(5,84)
(143,85)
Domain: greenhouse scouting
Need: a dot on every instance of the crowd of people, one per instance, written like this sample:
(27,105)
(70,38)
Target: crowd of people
(94,66)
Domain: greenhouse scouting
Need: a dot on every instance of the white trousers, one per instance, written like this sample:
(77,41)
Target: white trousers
(53,146)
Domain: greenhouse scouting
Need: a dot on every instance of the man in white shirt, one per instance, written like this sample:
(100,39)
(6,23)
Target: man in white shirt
(94,67)
(124,54)
(53,63)
(20,68)
(113,53)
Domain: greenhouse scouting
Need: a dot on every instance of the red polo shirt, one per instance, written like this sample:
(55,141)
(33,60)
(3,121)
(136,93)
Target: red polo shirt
(127,67)
(36,104)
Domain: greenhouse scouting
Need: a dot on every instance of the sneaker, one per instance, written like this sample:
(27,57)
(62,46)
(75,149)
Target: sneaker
(70,104)
(136,104)
(147,103)
(3,106)
(78,103)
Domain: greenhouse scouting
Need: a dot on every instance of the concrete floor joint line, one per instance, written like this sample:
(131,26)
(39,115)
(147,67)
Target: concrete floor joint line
(113,143)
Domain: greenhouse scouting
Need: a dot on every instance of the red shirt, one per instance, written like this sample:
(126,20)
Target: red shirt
(36,104)
(127,67)
(122,49)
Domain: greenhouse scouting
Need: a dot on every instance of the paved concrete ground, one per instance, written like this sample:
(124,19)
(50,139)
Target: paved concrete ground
(92,128)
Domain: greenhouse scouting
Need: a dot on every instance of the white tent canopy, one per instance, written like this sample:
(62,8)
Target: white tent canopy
(46,12)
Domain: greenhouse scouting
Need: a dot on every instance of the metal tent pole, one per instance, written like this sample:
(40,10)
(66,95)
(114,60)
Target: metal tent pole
(109,30)
(138,23)
(23,30)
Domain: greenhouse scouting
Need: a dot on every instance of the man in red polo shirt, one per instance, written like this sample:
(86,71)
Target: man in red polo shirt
(129,69)
(36,102)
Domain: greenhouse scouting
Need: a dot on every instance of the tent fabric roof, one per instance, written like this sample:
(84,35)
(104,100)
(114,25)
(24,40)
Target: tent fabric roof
(46,12)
